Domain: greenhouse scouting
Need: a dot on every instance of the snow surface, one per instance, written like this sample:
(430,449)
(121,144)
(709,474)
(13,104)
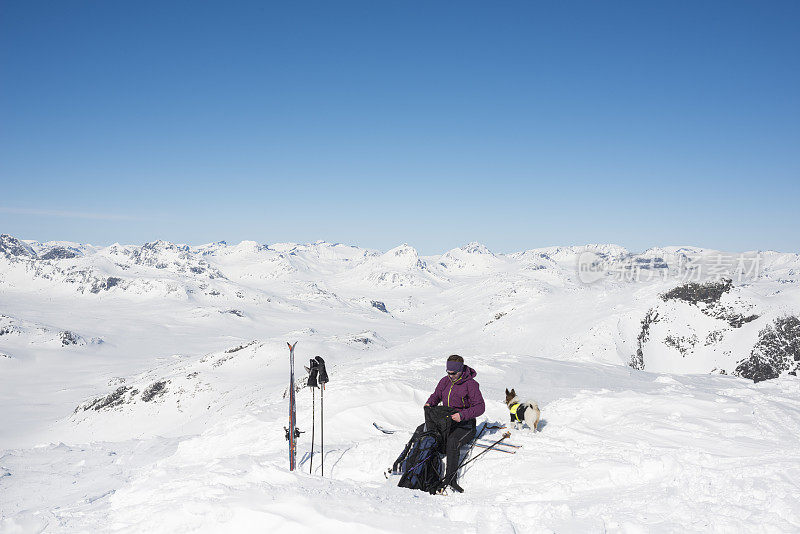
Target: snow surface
(186,347)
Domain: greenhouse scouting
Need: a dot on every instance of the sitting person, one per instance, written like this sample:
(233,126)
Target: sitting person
(458,390)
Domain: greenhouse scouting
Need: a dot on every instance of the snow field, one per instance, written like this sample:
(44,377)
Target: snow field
(643,453)
(204,331)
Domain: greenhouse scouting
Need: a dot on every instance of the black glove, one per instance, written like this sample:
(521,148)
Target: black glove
(313,369)
(323,373)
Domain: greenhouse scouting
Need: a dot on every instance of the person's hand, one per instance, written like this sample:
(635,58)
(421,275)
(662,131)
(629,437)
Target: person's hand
(456,417)
(427,404)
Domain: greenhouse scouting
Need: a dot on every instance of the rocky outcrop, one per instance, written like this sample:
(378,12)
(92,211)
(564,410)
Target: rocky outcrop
(11,247)
(155,390)
(776,352)
(708,293)
(118,397)
(59,253)
(707,297)
(70,338)
(637,360)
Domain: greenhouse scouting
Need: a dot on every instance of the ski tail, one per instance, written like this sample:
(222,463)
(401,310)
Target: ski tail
(384,429)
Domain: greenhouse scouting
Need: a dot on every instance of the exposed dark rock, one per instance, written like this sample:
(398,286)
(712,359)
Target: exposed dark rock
(777,350)
(8,329)
(380,306)
(117,398)
(707,297)
(240,347)
(649,263)
(10,246)
(497,316)
(714,337)
(709,292)
(59,253)
(222,359)
(105,285)
(155,390)
(681,343)
(637,360)
(237,313)
(69,338)
(366,338)
(736,320)
(537,267)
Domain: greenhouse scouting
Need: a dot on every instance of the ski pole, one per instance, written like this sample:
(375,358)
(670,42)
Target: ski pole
(322,429)
(475,439)
(472,446)
(447,481)
(490,447)
(323,379)
(313,427)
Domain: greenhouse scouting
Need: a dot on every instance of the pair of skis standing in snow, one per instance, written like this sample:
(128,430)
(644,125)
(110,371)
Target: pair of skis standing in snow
(317,378)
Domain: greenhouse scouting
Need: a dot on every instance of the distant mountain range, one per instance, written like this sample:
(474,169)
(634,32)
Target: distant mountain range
(672,309)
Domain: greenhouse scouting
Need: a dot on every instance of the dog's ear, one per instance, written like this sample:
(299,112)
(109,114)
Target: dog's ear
(513,392)
(507,392)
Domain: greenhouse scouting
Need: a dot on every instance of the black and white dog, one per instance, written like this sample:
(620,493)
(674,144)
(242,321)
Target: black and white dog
(522,412)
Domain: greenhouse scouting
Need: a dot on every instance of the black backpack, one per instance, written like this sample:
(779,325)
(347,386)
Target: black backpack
(420,463)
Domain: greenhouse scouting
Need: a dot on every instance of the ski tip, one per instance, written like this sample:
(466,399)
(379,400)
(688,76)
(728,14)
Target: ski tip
(291,347)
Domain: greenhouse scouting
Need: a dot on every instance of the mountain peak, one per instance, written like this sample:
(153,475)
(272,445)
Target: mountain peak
(405,248)
(11,246)
(475,248)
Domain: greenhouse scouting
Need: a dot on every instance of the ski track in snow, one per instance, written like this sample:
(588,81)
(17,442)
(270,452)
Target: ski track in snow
(618,450)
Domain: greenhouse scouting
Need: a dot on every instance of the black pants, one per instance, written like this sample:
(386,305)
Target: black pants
(460,434)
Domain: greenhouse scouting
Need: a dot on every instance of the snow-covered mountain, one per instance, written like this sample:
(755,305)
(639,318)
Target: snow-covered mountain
(143,385)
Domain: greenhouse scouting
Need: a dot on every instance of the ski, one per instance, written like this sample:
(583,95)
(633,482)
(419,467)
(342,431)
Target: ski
(496,448)
(383,429)
(394,431)
(512,445)
(292,432)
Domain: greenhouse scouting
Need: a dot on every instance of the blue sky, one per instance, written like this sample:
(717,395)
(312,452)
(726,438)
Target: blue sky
(516,124)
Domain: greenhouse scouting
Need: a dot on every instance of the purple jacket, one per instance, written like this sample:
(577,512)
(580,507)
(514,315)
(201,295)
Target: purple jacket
(465,393)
